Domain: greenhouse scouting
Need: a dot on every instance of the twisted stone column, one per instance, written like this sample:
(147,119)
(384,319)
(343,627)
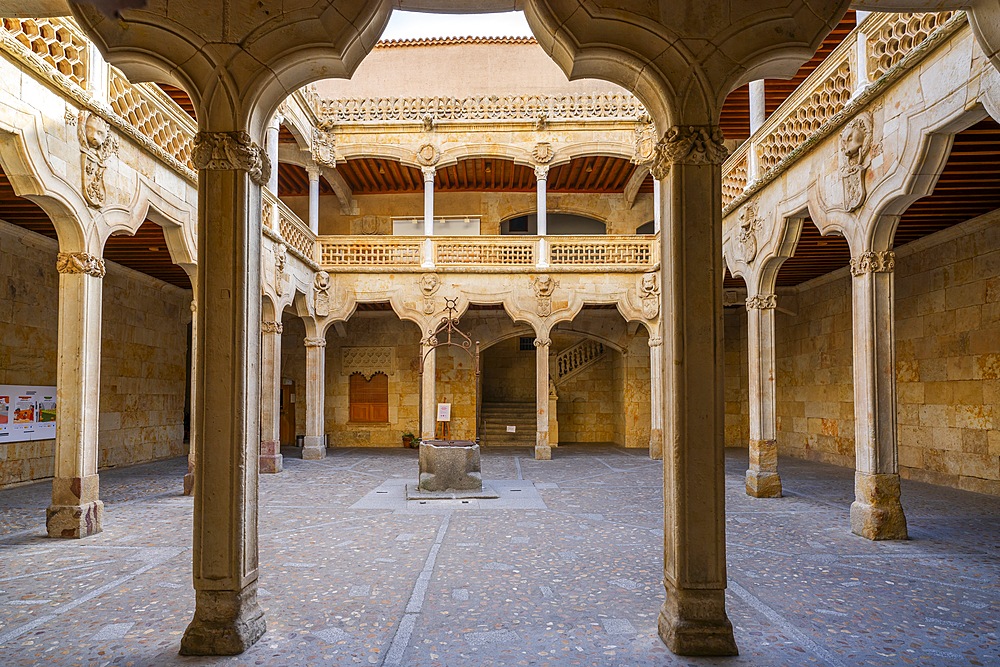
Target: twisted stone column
(76,510)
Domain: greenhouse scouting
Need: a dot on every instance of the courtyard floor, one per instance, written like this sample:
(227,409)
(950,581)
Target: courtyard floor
(563,569)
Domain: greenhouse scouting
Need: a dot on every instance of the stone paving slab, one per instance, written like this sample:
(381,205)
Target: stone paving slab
(572,576)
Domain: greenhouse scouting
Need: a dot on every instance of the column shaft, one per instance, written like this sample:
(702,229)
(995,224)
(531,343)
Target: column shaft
(227,617)
(76,510)
(762,480)
(758,111)
(428,200)
(314,444)
(543,451)
(192,426)
(656,397)
(270,398)
(657,205)
(314,200)
(876,512)
(693,620)
(428,407)
(273,129)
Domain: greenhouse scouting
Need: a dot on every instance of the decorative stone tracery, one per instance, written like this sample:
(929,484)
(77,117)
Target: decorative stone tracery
(80,262)
(225,151)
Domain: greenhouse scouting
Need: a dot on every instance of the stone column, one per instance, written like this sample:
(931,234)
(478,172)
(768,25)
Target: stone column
(231,171)
(541,208)
(428,402)
(273,128)
(314,172)
(762,479)
(76,510)
(270,397)
(876,512)
(428,172)
(693,620)
(543,451)
(553,415)
(758,110)
(656,397)
(192,450)
(314,444)
(657,205)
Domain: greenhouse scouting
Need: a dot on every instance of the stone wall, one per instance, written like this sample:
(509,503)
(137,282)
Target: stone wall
(509,372)
(590,404)
(736,378)
(635,402)
(143,359)
(947,360)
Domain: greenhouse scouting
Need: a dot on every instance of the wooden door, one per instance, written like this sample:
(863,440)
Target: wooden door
(287,412)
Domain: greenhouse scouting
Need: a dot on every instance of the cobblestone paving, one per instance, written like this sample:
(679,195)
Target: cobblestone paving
(575,583)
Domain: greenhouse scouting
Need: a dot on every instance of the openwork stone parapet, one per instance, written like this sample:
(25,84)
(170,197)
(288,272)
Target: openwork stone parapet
(762,302)
(226,151)
(872,261)
(315,342)
(80,262)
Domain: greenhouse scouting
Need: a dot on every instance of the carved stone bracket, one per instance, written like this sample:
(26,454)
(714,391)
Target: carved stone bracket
(690,144)
(315,342)
(871,261)
(762,302)
(226,151)
(80,262)
(271,327)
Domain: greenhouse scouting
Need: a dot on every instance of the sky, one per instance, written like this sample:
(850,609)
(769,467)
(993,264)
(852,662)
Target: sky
(416,25)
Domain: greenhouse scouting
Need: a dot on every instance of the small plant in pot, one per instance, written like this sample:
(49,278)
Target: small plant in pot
(409,440)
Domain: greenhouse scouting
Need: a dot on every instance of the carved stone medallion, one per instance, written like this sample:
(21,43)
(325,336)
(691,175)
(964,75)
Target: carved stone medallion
(542,152)
(428,155)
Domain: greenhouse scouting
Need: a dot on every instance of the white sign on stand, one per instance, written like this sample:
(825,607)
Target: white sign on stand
(444,412)
(27,413)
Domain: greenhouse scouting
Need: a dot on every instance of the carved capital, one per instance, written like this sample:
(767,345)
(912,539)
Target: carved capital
(690,144)
(871,261)
(428,173)
(315,342)
(80,262)
(655,341)
(541,172)
(762,302)
(542,342)
(226,151)
(271,327)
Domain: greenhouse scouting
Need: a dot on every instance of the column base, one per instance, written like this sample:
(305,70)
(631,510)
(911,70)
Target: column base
(314,447)
(543,453)
(75,521)
(761,484)
(271,460)
(876,513)
(656,444)
(694,622)
(225,623)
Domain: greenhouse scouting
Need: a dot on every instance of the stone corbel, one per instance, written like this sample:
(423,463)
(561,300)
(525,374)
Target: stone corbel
(229,151)
(689,144)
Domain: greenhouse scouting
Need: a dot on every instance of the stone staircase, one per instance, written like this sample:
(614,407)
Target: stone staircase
(498,416)
(577,358)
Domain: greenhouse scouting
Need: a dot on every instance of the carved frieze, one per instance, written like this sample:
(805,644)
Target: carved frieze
(97,146)
(429,285)
(544,286)
(321,294)
(80,262)
(324,148)
(855,158)
(872,261)
(762,302)
(542,152)
(225,151)
(750,222)
(367,360)
(649,295)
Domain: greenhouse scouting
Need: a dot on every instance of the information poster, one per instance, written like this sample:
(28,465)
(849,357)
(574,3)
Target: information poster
(27,413)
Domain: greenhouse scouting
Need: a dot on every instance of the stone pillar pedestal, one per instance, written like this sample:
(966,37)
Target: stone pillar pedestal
(76,510)
(543,451)
(762,480)
(705,629)
(876,512)
(314,443)
(225,622)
